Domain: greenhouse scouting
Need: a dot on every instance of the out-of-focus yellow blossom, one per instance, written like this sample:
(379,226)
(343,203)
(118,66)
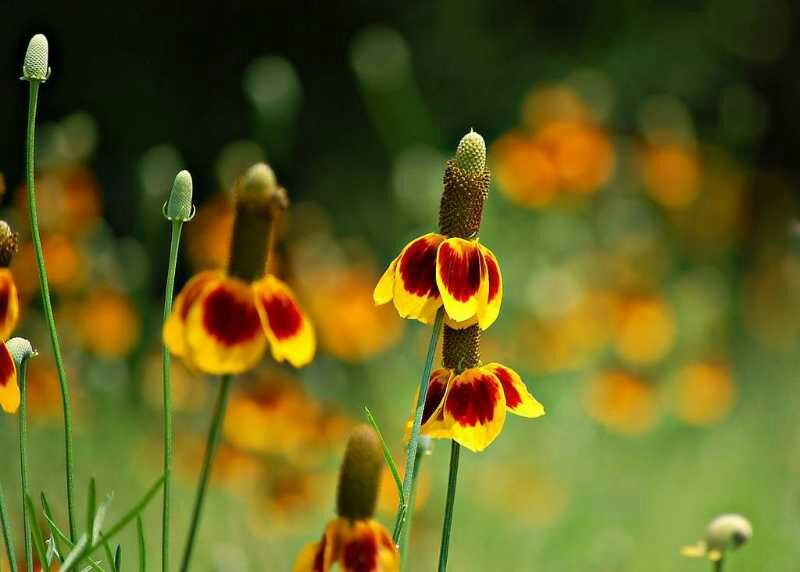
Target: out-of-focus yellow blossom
(388,498)
(621,401)
(209,235)
(9,390)
(705,393)
(644,329)
(66,266)
(672,174)
(108,323)
(187,394)
(529,497)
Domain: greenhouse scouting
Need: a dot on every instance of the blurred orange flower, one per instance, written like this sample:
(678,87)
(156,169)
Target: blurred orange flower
(108,323)
(672,174)
(621,401)
(644,329)
(209,236)
(66,266)
(705,393)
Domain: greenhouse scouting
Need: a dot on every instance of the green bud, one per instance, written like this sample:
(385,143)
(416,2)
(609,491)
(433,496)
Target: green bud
(360,476)
(179,206)
(35,66)
(471,153)
(20,350)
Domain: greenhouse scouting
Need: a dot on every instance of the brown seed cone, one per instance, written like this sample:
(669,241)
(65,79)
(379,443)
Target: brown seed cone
(462,201)
(360,476)
(9,244)
(461,349)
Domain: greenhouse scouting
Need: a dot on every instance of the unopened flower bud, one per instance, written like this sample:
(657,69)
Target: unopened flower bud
(20,350)
(471,153)
(9,244)
(35,67)
(179,206)
(360,475)
(728,531)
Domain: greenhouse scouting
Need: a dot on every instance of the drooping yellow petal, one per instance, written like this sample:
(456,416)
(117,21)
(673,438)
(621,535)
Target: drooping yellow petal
(433,424)
(475,408)
(384,290)
(223,331)
(320,556)
(287,327)
(368,548)
(519,401)
(9,390)
(416,295)
(461,278)
(9,304)
(490,309)
(698,550)
(174,328)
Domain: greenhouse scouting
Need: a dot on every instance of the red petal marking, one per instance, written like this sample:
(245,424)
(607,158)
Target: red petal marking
(6,366)
(418,268)
(460,271)
(361,554)
(230,319)
(433,398)
(5,298)
(283,315)
(319,557)
(494,277)
(190,295)
(386,540)
(512,395)
(473,403)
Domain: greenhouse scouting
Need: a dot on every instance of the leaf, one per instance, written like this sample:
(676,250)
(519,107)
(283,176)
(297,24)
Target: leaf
(118,559)
(387,455)
(142,545)
(59,537)
(36,533)
(76,553)
(91,507)
(51,551)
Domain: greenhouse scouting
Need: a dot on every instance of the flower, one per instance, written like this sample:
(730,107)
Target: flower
(353,540)
(9,298)
(726,532)
(470,407)
(222,322)
(623,402)
(9,390)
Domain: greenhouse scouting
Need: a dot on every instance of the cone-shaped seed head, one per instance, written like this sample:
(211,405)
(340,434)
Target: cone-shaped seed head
(9,244)
(728,531)
(360,476)
(179,206)
(20,349)
(35,65)
(471,153)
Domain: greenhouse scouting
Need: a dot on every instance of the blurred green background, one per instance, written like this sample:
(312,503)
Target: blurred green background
(643,211)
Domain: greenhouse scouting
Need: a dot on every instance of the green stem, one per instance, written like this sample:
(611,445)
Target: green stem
(404,512)
(168,445)
(718,565)
(208,460)
(406,533)
(455,450)
(23,460)
(48,308)
(12,557)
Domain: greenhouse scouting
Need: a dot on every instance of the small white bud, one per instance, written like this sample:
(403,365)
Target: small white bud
(35,66)
(179,206)
(20,350)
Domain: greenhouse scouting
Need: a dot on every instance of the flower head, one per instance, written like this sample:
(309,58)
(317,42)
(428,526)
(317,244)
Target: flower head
(35,67)
(470,407)
(726,532)
(450,268)
(355,541)
(9,298)
(9,390)
(222,322)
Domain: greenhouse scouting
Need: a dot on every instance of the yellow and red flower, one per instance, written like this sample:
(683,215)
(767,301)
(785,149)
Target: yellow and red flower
(355,545)
(9,390)
(9,303)
(433,271)
(220,324)
(470,407)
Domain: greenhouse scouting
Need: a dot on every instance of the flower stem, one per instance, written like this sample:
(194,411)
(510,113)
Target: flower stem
(404,512)
(168,446)
(406,532)
(23,460)
(718,564)
(12,557)
(208,460)
(48,307)
(455,450)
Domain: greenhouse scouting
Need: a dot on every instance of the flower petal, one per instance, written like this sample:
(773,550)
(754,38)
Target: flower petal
(433,423)
(320,556)
(9,303)
(489,311)
(416,294)
(368,548)
(223,329)
(385,287)
(388,556)
(461,277)
(9,390)
(287,327)
(519,401)
(475,408)
(174,327)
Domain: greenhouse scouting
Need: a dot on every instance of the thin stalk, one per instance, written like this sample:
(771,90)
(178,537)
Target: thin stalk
(23,460)
(48,307)
(718,565)
(406,533)
(208,460)
(404,511)
(12,557)
(168,445)
(455,450)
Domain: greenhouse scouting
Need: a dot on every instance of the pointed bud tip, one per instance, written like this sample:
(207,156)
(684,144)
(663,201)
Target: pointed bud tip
(258,183)
(360,476)
(36,58)
(179,206)
(471,153)
(20,349)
